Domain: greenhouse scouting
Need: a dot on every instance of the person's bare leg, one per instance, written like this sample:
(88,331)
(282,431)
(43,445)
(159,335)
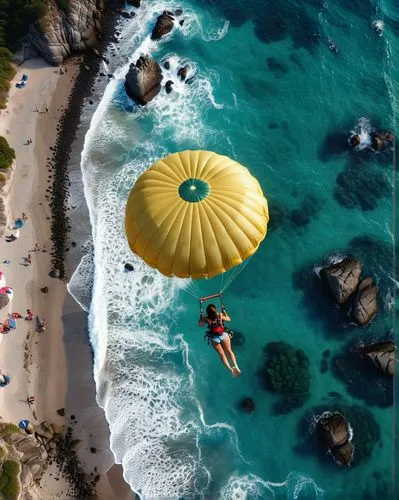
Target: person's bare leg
(226,344)
(219,349)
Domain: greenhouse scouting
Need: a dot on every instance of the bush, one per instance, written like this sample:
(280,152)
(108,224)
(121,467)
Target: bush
(7,154)
(9,429)
(10,485)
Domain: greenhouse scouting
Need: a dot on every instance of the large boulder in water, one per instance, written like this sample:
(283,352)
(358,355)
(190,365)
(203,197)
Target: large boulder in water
(381,140)
(382,355)
(343,278)
(365,303)
(163,25)
(143,80)
(333,433)
(135,3)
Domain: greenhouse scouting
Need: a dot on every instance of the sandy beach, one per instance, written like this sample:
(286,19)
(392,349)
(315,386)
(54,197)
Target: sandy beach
(55,366)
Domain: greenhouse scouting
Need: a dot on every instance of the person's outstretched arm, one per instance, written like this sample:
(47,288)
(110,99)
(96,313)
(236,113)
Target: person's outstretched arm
(201,321)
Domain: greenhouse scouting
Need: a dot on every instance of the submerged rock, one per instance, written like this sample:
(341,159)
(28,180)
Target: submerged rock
(365,303)
(163,25)
(382,355)
(333,433)
(343,278)
(247,405)
(129,267)
(143,80)
(381,140)
(168,86)
(135,3)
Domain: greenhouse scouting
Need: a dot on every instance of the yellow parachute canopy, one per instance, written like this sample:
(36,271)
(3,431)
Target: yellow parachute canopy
(195,214)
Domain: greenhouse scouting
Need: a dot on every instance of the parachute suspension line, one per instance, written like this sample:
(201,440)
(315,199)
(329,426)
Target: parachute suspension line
(233,275)
(193,289)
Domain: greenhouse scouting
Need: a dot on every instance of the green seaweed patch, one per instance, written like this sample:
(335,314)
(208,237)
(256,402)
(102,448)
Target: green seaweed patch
(10,484)
(286,372)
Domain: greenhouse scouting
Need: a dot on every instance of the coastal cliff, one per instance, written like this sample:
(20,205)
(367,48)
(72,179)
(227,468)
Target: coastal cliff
(66,28)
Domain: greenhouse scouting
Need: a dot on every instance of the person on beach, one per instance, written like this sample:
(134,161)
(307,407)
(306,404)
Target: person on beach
(219,337)
(28,259)
(24,217)
(37,247)
(12,237)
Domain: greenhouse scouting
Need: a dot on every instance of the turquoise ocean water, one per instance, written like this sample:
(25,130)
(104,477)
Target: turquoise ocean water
(278,86)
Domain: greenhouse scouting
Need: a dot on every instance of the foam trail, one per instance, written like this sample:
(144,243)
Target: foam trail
(252,487)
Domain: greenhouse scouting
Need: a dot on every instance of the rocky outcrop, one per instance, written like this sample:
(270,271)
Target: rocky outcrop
(182,72)
(382,355)
(365,303)
(343,278)
(64,32)
(381,140)
(163,25)
(135,3)
(143,80)
(333,433)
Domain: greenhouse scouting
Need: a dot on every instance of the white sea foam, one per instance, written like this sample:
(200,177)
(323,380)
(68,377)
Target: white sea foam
(144,379)
(363,129)
(252,487)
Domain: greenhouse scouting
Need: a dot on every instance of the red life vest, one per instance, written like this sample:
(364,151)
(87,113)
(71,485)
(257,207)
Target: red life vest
(215,326)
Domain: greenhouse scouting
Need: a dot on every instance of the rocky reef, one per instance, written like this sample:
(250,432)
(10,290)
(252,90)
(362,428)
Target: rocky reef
(334,424)
(143,80)
(382,355)
(334,434)
(285,372)
(343,279)
(364,369)
(163,25)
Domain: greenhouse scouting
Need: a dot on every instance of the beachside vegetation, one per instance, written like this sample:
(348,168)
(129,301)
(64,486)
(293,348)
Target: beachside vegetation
(8,429)
(15,18)
(7,154)
(10,485)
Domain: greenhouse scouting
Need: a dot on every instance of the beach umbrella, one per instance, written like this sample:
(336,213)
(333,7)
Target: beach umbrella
(23,424)
(18,223)
(6,289)
(12,323)
(196,214)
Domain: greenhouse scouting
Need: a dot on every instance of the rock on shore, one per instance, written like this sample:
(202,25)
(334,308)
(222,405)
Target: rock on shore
(63,32)
(143,80)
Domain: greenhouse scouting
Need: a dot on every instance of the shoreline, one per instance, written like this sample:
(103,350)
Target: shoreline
(47,366)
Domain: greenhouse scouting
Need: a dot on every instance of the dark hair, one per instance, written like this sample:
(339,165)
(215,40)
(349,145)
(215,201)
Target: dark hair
(211,311)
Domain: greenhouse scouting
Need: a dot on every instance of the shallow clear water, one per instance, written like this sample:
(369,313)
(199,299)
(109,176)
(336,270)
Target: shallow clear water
(271,91)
